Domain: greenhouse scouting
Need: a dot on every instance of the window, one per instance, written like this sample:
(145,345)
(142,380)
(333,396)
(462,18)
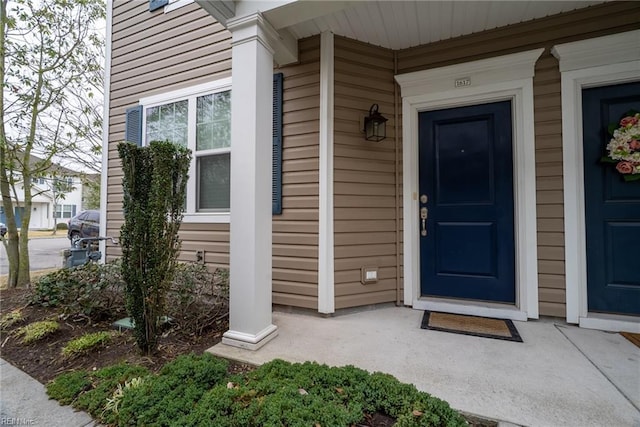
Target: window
(200,119)
(65,211)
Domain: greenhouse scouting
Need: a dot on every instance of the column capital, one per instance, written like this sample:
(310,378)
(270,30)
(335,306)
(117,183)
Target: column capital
(253,27)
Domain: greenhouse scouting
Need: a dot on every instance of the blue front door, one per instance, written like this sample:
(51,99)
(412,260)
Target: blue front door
(612,206)
(466,186)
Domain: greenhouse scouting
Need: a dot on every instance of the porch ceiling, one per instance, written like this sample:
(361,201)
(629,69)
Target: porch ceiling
(402,24)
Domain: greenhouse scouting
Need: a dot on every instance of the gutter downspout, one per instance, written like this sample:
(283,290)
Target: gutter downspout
(396,117)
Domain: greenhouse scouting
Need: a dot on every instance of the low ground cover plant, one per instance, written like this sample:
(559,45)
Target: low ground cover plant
(37,330)
(197,391)
(86,343)
(11,318)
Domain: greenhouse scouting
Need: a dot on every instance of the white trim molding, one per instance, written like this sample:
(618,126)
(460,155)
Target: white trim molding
(508,77)
(588,63)
(105,132)
(326,277)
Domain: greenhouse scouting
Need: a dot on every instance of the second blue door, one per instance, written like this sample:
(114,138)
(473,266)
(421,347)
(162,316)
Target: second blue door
(466,201)
(612,206)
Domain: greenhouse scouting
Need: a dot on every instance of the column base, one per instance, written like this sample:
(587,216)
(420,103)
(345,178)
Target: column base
(249,341)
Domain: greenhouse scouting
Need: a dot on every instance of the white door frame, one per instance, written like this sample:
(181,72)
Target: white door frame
(588,63)
(508,77)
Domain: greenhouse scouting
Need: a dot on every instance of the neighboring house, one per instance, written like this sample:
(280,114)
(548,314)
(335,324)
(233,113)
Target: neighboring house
(90,191)
(55,198)
(487,196)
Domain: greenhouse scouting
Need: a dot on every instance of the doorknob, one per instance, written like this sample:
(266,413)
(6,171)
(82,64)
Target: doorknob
(423,219)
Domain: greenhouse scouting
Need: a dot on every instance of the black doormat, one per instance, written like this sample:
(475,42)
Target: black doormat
(486,327)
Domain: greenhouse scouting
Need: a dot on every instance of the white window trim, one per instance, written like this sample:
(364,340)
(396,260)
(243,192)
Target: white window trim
(508,77)
(62,211)
(176,4)
(588,63)
(178,95)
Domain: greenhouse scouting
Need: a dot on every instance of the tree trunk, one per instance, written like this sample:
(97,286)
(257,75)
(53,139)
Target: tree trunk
(12,240)
(24,276)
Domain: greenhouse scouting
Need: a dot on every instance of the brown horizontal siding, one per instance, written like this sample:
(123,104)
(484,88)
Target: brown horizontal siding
(364,176)
(154,52)
(585,23)
(295,232)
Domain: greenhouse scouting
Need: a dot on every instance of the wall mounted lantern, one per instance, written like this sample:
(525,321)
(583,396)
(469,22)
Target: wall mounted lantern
(375,128)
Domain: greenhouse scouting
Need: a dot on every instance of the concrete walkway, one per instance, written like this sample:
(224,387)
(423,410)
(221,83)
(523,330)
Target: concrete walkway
(24,402)
(560,376)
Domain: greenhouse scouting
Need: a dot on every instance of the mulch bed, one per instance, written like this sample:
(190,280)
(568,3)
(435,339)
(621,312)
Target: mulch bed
(43,359)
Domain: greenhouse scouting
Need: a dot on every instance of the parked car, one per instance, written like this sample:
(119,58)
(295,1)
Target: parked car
(3,229)
(85,224)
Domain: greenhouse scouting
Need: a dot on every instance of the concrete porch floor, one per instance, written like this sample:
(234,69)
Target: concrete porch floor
(560,376)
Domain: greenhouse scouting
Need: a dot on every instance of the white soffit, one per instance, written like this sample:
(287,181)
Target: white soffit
(403,24)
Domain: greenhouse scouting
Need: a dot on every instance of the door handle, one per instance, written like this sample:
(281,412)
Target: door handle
(424,212)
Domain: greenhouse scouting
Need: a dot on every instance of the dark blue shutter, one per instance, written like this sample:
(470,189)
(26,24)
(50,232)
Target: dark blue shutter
(157,4)
(133,125)
(276,190)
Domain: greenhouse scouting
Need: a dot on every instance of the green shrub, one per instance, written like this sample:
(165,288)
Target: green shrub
(37,330)
(113,402)
(86,343)
(196,391)
(280,393)
(62,226)
(154,184)
(104,382)
(94,290)
(50,290)
(66,387)
(171,395)
(198,298)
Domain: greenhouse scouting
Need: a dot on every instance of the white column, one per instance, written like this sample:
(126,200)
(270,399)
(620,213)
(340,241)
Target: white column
(326,277)
(250,318)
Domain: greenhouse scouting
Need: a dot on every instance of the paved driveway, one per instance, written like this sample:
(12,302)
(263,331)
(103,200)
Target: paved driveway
(44,253)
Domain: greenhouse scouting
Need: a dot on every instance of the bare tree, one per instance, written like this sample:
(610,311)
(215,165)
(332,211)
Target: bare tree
(51,69)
